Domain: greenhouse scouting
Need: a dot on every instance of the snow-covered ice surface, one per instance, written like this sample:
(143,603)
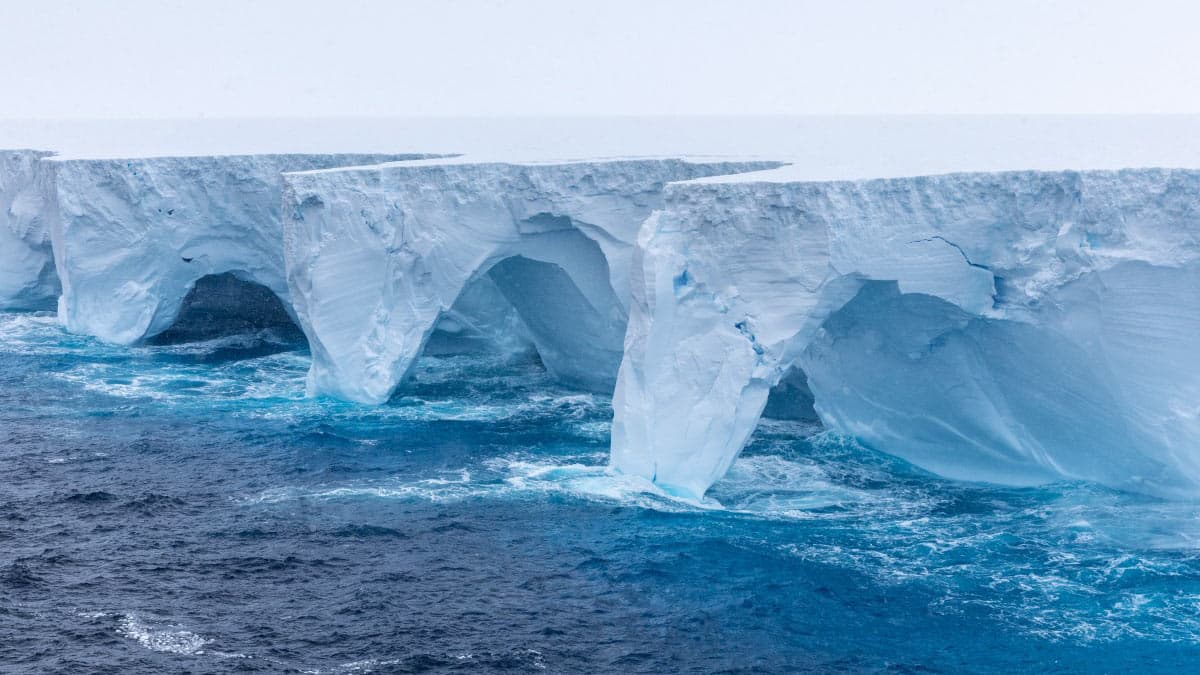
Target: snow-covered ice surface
(820,148)
(377,255)
(132,236)
(1007,327)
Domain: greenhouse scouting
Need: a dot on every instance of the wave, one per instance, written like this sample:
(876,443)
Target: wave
(171,640)
(762,486)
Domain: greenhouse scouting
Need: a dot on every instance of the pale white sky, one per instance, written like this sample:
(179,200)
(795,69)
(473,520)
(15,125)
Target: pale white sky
(303,58)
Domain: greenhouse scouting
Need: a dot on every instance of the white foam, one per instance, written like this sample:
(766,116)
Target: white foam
(169,640)
(354,667)
(765,486)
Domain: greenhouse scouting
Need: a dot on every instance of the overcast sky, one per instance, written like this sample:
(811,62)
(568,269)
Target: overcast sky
(218,58)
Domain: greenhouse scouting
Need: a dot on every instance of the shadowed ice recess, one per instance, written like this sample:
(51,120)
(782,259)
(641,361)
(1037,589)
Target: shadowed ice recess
(472,524)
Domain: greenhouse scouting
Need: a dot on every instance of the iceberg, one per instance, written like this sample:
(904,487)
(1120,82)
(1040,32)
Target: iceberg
(1015,327)
(131,237)
(377,256)
(1005,326)
(27,276)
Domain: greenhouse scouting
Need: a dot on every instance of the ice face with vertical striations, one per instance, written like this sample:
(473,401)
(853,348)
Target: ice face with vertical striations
(377,255)
(27,278)
(1013,327)
(132,236)
(1006,327)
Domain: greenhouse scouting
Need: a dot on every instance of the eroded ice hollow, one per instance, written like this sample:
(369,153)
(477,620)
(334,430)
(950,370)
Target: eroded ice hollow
(27,277)
(1005,327)
(376,256)
(131,237)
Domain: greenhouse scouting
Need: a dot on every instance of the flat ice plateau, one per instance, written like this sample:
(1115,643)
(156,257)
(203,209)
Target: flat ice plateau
(1011,300)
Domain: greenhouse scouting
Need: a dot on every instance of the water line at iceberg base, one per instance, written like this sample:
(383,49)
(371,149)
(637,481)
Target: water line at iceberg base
(760,268)
(242,383)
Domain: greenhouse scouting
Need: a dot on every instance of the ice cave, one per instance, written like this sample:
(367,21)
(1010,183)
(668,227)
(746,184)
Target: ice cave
(1014,327)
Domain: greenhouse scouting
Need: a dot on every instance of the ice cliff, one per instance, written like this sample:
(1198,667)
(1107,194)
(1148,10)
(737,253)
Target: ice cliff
(1015,327)
(27,278)
(132,236)
(1007,327)
(376,256)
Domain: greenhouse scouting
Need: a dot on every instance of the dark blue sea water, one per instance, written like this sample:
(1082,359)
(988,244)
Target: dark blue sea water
(182,508)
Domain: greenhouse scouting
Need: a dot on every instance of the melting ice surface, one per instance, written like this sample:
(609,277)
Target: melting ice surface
(182,506)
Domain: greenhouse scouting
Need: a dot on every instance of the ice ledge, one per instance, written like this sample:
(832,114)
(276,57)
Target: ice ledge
(1013,327)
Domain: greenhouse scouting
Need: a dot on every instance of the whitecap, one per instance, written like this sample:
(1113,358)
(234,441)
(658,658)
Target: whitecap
(171,640)
(353,667)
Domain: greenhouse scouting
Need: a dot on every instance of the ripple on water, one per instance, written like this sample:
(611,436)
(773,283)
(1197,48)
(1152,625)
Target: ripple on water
(1036,568)
(1008,552)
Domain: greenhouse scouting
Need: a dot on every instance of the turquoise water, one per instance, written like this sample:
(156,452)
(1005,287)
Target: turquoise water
(182,507)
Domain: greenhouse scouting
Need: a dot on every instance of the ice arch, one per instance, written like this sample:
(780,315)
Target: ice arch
(1012,327)
(574,318)
(792,398)
(376,255)
(481,320)
(225,304)
(132,236)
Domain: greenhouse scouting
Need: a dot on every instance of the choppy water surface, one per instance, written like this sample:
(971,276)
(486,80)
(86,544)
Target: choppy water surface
(184,508)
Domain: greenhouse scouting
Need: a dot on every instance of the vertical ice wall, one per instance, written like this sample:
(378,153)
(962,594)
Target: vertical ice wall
(1012,327)
(27,278)
(131,236)
(376,255)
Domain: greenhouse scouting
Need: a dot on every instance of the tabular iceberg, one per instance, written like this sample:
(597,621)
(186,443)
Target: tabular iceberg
(1007,327)
(132,236)
(1011,327)
(27,278)
(377,255)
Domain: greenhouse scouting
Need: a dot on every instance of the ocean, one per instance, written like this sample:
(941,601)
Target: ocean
(182,507)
